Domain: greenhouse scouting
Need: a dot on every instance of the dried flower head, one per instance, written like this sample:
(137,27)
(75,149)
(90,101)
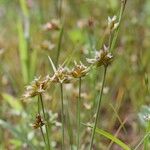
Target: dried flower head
(38,122)
(61,75)
(79,70)
(103,57)
(112,24)
(37,87)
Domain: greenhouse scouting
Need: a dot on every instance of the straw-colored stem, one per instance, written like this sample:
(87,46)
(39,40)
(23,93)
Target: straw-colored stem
(98,108)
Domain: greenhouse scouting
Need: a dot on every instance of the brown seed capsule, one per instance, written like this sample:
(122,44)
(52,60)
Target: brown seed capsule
(36,87)
(79,70)
(61,75)
(38,122)
(103,57)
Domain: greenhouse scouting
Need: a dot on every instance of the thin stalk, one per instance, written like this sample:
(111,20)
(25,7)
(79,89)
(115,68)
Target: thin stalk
(59,46)
(146,141)
(43,135)
(62,114)
(40,126)
(78,114)
(123,4)
(98,108)
(60,9)
(45,118)
(110,40)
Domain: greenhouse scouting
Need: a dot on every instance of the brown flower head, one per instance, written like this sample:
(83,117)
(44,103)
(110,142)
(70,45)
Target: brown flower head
(61,75)
(79,70)
(36,87)
(38,122)
(103,57)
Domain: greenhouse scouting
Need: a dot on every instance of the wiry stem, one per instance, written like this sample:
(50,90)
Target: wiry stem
(40,126)
(78,114)
(45,118)
(59,46)
(60,8)
(123,4)
(62,114)
(98,108)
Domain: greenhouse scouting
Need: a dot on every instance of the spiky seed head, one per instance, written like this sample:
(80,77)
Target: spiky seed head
(79,70)
(61,75)
(36,87)
(102,57)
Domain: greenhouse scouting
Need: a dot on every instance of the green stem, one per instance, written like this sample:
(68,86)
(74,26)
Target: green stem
(123,4)
(146,141)
(59,46)
(43,135)
(78,114)
(60,9)
(45,118)
(41,127)
(62,114)
(98,108)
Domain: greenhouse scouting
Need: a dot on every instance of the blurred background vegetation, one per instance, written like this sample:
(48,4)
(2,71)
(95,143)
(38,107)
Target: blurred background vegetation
(25,42)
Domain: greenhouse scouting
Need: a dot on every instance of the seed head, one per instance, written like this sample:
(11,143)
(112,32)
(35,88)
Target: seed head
(102,57)
(61,75)
(112,24)
(36,87)
(79,70)
(38,122)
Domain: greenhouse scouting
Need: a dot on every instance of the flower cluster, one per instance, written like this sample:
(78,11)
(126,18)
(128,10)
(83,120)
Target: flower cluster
(38,122)
(36,87)
(112,24)
(61,75)
(102,57)
(79,70)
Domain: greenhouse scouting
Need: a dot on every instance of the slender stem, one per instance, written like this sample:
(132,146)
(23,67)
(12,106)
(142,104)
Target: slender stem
(78,115)
(41,127)
(98,108)
(146,141)
(60,8)
(110,40)
(43,135)
(46,126)
(123,4)
(59,46)
(62,114)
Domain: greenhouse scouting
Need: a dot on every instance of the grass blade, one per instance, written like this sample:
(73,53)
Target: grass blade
(23,50)
(112,138)
(59,46)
